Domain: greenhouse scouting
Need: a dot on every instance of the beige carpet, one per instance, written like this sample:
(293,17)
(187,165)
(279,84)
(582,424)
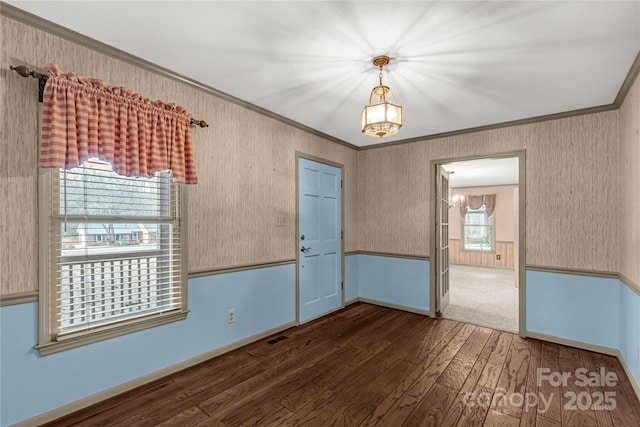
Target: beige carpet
(483,296)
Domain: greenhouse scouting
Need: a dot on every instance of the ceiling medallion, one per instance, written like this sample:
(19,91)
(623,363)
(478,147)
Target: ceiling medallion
(381,118)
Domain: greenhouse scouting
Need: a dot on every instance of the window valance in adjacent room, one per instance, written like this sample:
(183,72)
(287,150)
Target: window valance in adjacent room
(476,202)
(83,118)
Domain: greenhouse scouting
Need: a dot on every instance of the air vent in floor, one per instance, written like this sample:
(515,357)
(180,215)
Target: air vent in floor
(276,340)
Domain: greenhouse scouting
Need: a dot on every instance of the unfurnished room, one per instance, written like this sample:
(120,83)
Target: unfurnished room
(323,213)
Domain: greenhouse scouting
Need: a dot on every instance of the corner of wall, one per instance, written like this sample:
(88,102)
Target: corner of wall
(629,340)
(351,278)
(628,182)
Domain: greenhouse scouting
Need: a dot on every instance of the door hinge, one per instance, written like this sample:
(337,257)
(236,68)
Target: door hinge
(342,234)
(342,283)
(341,183)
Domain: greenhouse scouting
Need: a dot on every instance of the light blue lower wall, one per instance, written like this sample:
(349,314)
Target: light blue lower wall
(263,299)
(630,329)
(593,310)
(579,308)
(393,280)
(351,283)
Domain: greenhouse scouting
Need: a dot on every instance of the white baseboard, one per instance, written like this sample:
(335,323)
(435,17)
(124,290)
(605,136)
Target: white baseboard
(351,301)
(627,371)
(395,306)
(571,343)
(129,385)
(591,347)
(137,382)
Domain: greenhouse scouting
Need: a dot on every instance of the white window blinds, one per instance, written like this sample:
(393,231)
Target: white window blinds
(115,246)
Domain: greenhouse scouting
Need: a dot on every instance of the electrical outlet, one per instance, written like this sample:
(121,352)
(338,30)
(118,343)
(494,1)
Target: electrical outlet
(231,315)
(498,257)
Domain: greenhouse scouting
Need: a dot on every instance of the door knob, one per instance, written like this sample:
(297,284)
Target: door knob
(303,249)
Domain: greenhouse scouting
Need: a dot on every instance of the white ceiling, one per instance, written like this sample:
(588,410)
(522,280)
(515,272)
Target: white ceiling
(482,172)
(455,65)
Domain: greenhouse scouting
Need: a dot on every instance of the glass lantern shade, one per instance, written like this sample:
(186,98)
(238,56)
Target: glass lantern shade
(383,118)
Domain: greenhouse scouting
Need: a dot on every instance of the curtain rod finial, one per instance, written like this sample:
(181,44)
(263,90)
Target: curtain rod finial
(200,123)
(22,70)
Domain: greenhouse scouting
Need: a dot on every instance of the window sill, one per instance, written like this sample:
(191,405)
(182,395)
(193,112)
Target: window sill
(110,331)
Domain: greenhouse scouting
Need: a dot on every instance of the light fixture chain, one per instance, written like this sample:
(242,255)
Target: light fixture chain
(381,119)
(384,97)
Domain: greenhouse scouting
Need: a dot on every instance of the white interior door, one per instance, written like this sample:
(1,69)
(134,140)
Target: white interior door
(442,240)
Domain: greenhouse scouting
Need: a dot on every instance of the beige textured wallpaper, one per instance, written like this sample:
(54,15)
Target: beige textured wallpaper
(245,161)
(246,167)
(570,165)
(629,178)
(247,182)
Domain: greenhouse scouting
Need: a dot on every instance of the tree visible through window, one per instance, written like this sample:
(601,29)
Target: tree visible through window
(477,230)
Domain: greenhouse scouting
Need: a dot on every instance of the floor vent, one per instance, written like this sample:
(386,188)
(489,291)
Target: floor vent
(276,340)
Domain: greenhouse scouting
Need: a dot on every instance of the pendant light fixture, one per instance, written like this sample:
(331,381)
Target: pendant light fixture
(381,118)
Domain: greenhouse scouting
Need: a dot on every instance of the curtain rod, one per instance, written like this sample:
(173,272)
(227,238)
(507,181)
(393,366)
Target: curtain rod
(42,78)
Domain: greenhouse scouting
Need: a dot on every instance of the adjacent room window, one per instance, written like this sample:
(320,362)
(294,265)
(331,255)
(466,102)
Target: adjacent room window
(112,255)
(477,230)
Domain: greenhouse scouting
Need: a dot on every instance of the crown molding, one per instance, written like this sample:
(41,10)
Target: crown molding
(626,86)
(50,27)
(42,24)
(628,82)
(511,123)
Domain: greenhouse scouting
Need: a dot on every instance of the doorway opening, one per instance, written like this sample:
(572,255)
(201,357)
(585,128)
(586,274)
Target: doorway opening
(478,245)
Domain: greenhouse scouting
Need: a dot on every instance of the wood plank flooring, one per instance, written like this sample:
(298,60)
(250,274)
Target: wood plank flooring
(369,365)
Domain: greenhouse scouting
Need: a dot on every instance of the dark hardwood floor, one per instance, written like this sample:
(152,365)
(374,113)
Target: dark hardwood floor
(368,365)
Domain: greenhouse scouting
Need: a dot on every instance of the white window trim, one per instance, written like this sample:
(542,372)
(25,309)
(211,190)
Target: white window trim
(463,248)
(47,342)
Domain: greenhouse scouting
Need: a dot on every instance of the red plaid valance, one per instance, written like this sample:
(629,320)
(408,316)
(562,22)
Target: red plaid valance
(83,118)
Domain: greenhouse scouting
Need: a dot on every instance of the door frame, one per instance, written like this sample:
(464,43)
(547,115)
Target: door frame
(301,155)
(521,155)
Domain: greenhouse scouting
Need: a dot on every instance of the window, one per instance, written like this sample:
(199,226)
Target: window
(112,255)
(477,231)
